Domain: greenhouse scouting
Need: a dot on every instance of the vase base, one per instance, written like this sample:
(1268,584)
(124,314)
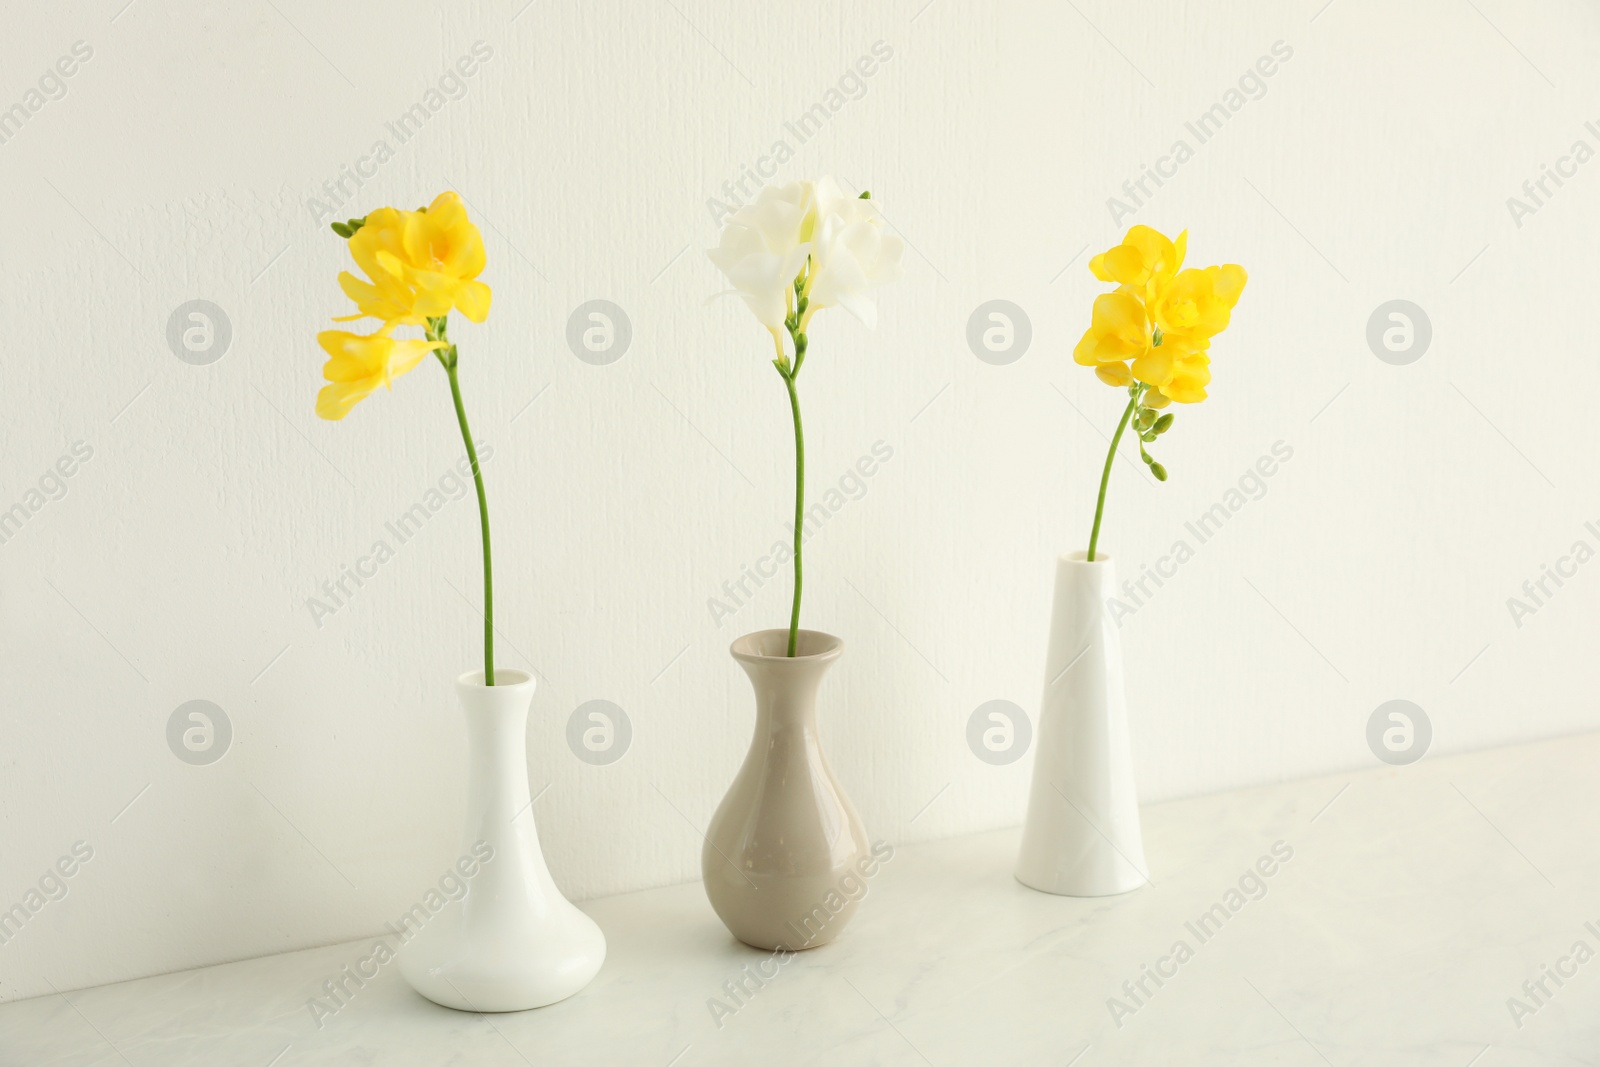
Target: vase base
(790,941)
(1067,864)
(510,974)
(1063,887)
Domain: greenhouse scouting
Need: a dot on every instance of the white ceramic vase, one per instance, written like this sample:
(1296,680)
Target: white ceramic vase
(1082,835)
(513,941)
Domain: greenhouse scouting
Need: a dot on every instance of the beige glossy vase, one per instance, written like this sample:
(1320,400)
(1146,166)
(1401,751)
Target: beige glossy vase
(785,848)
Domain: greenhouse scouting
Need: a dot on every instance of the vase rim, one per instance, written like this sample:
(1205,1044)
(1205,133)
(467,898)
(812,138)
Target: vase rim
(812,646)
(504,678)
(1081,556)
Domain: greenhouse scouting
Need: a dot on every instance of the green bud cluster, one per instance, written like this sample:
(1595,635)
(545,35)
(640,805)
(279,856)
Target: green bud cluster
(438,329)
(348,228)
(792,324)
(1149,425)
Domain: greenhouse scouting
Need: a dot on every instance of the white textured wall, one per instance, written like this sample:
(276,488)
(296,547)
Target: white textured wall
(178,564)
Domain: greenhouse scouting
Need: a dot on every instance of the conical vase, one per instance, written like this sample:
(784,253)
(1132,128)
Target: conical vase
(1082,836)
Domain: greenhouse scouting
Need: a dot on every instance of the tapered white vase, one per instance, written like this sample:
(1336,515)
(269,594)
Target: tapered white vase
(513,941)
(1082,835)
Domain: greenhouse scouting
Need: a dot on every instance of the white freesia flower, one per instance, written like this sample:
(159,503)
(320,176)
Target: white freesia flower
(852,254)
(798,248)
(764,247)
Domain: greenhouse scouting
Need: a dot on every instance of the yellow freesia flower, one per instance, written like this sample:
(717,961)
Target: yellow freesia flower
(359,364)
(1182,372)
(1156,298)
(419,264)
(1156,365)
(379,249)
(1119,331)
(444,256)
(1144,262)
(1199,303)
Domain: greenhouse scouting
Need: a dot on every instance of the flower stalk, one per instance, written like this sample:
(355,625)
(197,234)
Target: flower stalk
(795,324)
(794,250)
(799,508)
(1105,475)
(438,331)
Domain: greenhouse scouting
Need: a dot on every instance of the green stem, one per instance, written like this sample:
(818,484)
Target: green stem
(436,332)
(799,501)
(1105,475)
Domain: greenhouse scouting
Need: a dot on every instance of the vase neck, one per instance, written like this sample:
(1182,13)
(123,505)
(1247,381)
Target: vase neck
(786,693)
(497,759)
(1097,579)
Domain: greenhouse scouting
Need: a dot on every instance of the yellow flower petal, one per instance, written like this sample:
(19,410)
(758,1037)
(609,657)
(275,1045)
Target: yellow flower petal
(1152,246)
(1083,354)
(389,263)
(1113,373)
(1127,264)
(1190,376)
(1154,367)
(473,300)
(405,355)
(1118,312)
(354,356)
(335,401)
(1230,279)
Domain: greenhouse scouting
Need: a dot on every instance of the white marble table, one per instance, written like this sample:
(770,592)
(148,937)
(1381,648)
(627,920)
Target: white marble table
(1415,904)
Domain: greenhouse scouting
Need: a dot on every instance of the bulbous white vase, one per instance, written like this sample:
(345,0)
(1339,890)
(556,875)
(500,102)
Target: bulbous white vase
(1082,835)
(513,941)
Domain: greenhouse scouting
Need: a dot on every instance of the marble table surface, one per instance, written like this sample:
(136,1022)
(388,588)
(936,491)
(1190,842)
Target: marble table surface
(1404,911)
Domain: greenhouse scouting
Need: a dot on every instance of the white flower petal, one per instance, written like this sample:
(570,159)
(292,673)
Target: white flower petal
(853,256)
(761,249)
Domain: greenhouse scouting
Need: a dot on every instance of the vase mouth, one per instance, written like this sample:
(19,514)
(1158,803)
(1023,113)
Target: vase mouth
(772,646)
(1082,556)
(504,678)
